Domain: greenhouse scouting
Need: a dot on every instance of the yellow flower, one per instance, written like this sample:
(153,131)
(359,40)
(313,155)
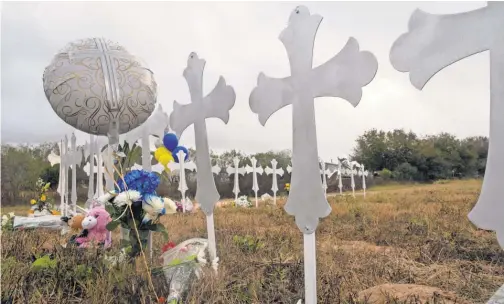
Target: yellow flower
(43,197)
(33,202)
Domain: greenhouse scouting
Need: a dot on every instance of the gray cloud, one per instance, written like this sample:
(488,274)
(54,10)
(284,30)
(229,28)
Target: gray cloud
(240,40)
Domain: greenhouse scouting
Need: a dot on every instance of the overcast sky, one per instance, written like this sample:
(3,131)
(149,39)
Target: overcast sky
(239,40)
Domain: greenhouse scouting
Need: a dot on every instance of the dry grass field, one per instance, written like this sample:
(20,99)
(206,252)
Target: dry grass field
(396,235)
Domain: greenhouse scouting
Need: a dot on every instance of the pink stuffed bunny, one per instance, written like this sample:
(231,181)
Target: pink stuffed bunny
(95,223)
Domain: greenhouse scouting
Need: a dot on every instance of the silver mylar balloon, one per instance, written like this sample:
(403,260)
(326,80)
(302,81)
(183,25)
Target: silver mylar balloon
(96,86)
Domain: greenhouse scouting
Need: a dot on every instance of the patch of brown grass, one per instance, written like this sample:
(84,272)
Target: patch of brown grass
(416,235)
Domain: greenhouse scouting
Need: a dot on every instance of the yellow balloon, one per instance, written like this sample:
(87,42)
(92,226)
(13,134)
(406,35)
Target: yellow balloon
(160,151)
(165,159)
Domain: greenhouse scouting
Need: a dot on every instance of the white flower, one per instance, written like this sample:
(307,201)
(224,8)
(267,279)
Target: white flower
(5,219)
(243,201)
(170,206)
(127,198)
(11,214)
(153,206)
(105,198)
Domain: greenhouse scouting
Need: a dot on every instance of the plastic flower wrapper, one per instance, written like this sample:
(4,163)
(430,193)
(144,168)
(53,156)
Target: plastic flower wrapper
(182,264)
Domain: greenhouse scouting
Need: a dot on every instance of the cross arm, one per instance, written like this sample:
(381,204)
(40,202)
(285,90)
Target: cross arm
(345,74)
(269,96)
(434,42)
(219,102)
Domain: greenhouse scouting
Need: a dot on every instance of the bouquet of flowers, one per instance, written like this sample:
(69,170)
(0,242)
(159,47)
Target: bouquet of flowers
(134,205)
(41,205)
(243,201)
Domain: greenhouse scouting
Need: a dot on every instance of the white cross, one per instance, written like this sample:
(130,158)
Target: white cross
(434,42)
(75,159)
(216,169)
(181,166)
(342,76)
(89,153)
(254,170)
(274,171)
(59,159)
(340,182)
(217,103)
(326,173)
(236,170)
(353,172)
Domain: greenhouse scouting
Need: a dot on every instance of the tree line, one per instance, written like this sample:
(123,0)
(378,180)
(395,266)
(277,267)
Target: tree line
(396,154)
(406,156)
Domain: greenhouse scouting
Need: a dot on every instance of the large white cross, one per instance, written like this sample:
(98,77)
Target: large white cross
(254,170)
(236,170)
(274,171)
(434,42)
(217,104)
(342,76)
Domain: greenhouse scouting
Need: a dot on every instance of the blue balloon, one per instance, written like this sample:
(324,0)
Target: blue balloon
(176,150)
(170,141)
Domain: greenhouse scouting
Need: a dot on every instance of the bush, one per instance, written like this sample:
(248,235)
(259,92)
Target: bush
(406,172)
(386,174)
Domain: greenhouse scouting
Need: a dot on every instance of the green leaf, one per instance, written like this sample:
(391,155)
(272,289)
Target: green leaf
(159,228)
(165,235)
(112,225)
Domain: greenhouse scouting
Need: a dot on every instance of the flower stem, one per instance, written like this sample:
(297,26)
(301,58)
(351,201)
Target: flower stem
(143,254)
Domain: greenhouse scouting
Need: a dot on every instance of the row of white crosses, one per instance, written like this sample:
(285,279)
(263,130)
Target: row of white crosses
(254,169)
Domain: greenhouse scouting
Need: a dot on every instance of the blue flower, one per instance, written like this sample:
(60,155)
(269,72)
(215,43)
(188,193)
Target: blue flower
(141,181)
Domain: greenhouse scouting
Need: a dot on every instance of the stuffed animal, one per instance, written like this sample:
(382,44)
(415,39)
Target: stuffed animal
(95,223)
(74,222)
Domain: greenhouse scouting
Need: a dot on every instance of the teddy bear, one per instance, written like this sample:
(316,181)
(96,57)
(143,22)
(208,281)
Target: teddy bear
(74,222)
(95,224)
